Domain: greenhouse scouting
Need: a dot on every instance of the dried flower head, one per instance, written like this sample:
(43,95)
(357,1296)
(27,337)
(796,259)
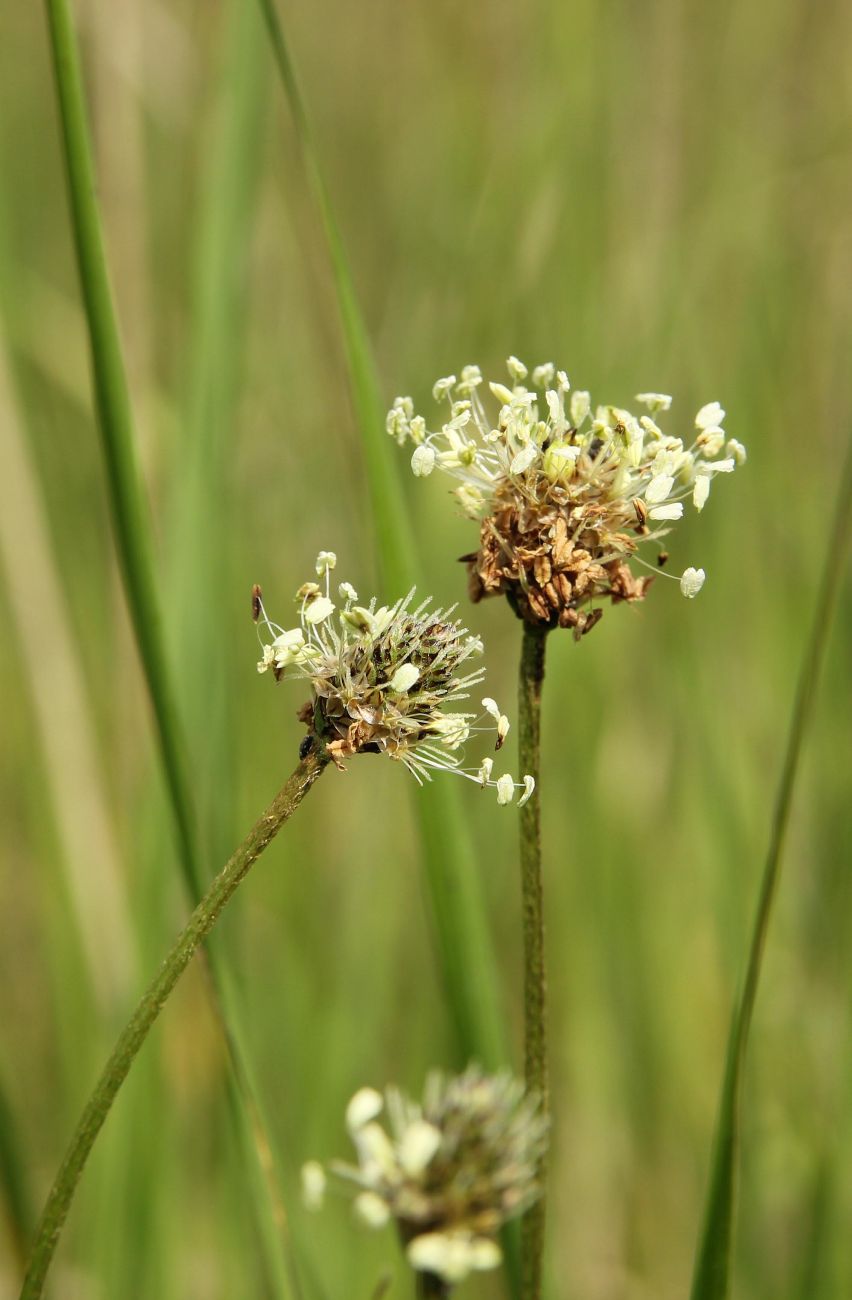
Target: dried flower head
(565,494)
(451,1171)
(385,680)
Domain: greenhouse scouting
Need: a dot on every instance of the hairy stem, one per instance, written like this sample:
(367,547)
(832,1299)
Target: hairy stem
(532,894)
(136,1031)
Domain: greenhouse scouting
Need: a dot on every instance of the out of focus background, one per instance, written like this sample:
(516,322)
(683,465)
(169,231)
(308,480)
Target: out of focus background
(652,196)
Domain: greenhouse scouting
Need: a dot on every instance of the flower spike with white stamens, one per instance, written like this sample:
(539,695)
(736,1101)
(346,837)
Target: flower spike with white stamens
(566,494)
(450,1170)
(385,679)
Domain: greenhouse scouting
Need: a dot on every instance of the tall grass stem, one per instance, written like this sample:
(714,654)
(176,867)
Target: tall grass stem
(115,423)
(135,554)
(711,1278)
(154,999)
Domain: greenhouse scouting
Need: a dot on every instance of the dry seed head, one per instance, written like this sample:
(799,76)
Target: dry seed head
(565,495)
(386,679)
(450,1170)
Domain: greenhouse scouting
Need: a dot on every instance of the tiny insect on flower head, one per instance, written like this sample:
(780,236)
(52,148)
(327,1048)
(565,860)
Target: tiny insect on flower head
(566,494)
(384,679)
(450,1170)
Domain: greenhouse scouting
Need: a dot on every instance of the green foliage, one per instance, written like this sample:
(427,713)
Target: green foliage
(655,197)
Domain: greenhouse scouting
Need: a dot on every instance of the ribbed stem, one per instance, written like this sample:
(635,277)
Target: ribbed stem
(532,896)
(133,1036)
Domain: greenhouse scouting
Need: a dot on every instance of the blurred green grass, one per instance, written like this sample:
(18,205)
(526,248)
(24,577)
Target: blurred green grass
(655,197)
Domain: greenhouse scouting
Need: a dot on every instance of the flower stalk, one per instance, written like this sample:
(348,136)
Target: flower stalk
(530,680)
(432,1287)
(205,916)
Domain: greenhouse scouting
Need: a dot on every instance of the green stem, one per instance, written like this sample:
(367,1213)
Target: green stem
(115,420)
(136,1031)
(432,1287)
(530,682)
(711,1278)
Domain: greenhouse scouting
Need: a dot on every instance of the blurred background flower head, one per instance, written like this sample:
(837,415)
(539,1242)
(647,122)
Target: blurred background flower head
(452,1171)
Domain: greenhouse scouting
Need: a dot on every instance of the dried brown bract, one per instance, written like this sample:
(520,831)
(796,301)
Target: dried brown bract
(565,496)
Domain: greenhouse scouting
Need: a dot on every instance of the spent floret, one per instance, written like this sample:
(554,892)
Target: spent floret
(565,494)
(386,679)
(449,1170)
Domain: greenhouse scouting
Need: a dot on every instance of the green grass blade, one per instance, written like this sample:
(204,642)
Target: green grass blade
(463,940)
(132,528)
(115,423)
(711,1279)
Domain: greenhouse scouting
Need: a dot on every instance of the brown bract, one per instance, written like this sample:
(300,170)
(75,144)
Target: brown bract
(345,735)
(552,559)
(355,712)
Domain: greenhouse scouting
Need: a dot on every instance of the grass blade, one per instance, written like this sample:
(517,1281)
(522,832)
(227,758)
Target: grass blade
(711,1279)
(463,940)
(132,528)
(115,423)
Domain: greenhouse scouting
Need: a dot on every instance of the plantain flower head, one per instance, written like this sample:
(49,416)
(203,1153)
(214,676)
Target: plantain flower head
(386,679)
(449,1171)
(566,493)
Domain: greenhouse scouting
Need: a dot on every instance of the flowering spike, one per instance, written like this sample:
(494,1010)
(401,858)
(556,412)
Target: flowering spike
(455,1168)
(384,679)
(566,493)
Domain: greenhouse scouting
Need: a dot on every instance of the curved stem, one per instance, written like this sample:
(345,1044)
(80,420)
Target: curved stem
(136,1031)
(532,894)
(134,548)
